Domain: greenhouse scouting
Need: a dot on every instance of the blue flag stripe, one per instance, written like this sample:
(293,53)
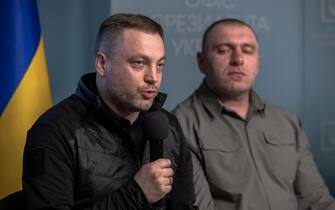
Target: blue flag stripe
(19,39)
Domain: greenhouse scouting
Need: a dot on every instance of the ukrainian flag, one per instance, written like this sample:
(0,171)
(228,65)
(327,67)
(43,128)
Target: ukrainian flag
(24,86)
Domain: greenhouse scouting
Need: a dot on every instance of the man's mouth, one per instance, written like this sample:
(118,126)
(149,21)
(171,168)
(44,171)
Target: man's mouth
(148,94)
(241,73)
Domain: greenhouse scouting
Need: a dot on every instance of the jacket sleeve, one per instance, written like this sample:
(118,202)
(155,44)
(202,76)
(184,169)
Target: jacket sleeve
(182,195)
(310,189)
(49,177)
(128,196)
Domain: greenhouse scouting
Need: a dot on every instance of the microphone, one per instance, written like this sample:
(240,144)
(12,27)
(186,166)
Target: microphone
(155,129)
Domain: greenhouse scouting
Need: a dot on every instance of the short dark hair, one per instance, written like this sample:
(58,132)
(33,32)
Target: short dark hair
(112,27)
(225,21)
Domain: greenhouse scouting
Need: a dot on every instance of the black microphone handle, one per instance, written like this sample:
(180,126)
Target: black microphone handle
(156,149)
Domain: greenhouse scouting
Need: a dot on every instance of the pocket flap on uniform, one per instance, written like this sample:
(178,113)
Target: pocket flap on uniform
(277,140)
(216,139)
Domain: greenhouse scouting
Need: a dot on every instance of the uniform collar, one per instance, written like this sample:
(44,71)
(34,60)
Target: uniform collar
(209,100)
(256,104)
(215,109)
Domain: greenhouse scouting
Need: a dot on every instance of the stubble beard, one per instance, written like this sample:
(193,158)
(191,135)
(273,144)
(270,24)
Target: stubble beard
(131,102)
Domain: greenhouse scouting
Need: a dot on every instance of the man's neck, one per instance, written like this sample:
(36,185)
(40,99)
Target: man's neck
(238,104)
(131,116)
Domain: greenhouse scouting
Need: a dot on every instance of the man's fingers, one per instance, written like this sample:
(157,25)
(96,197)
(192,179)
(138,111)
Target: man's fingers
(155,179)
(163,163)
(166,188)
(167,172)
(165,181)
(169,180)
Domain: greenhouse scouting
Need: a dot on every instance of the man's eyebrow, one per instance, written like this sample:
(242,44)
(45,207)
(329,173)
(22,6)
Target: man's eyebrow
(228,44)
(162,58)
(140,55)
(253,46)
(224,44)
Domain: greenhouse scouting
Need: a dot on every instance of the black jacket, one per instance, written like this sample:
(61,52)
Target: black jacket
(80,155)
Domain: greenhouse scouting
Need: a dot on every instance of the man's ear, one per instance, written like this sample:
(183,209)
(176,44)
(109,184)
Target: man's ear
(100,63)
(201,62)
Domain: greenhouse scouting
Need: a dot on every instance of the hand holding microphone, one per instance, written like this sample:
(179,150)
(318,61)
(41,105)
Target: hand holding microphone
(155,178)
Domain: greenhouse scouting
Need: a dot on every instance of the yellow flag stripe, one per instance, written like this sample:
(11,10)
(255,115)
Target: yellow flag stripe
(31,98)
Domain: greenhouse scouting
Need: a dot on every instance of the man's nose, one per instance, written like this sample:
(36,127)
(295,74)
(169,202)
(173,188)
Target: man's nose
(237,58)
(151,75)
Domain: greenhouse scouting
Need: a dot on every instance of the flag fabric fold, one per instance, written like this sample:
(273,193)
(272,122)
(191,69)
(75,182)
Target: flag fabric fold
(24,85)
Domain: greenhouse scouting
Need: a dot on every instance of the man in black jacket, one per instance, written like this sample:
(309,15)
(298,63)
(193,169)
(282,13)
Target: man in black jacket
(88,151)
